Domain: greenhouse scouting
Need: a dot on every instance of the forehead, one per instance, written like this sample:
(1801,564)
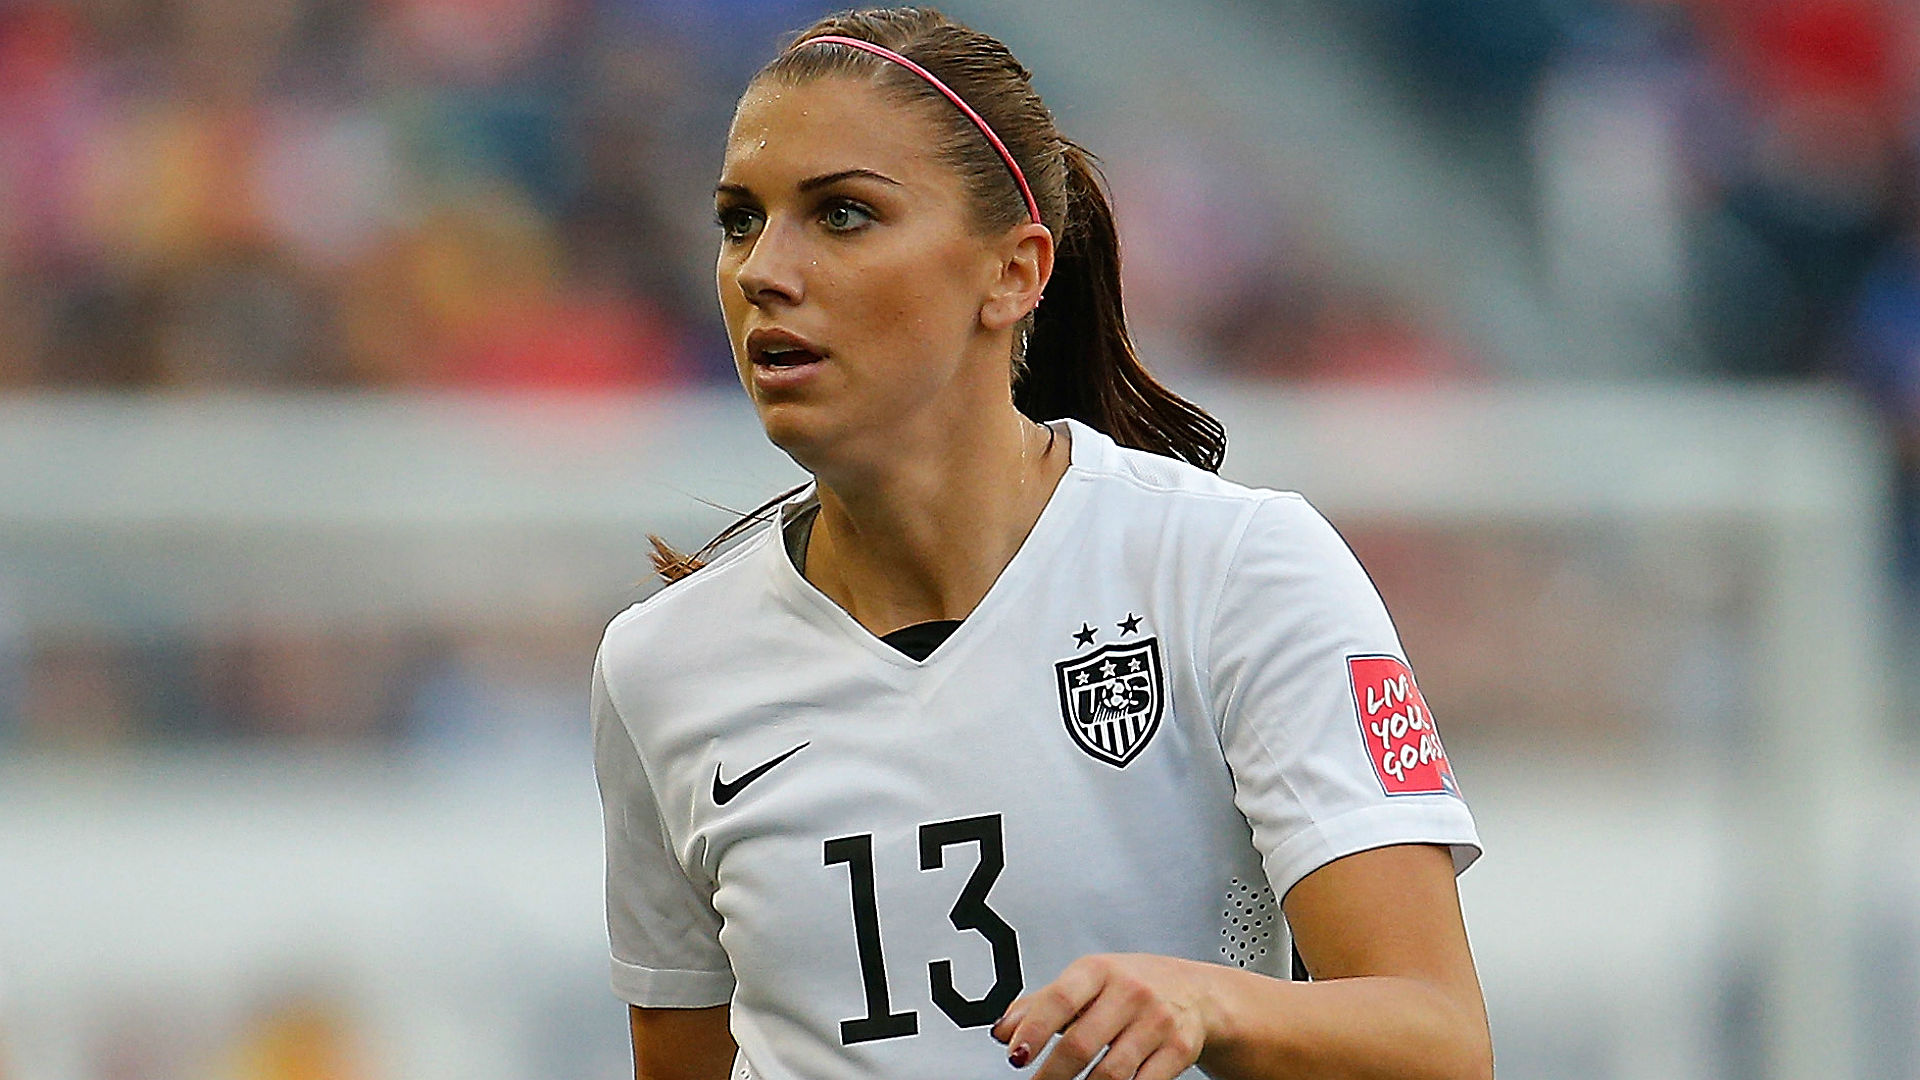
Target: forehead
(826,125)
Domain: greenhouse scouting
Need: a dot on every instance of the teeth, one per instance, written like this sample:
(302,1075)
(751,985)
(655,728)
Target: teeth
(785,354)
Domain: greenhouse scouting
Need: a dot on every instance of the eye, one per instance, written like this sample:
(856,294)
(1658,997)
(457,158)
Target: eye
(736,223)
(844,216)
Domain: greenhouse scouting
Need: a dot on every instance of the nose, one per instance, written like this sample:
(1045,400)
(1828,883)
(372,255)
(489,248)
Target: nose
(770,273)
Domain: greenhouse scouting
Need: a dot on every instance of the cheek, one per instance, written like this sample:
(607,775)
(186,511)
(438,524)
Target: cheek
(911,333)
(917,302)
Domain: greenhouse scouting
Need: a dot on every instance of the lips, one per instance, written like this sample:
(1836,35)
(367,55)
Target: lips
(785,357)
(781,348)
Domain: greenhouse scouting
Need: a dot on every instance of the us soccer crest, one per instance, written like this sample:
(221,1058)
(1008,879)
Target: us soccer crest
(1112,698)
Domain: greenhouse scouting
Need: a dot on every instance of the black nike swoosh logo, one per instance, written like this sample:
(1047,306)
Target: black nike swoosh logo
(724,790)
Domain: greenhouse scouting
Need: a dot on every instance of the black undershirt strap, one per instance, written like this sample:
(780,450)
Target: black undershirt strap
(917,641)
(920,639)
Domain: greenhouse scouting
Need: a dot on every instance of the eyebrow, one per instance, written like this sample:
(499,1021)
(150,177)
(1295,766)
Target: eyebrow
(812,183)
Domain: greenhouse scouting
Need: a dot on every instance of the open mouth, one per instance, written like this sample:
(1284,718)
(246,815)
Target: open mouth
(770,347)
(785,356)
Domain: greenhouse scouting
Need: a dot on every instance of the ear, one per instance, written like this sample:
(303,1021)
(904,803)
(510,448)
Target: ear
(1025,264)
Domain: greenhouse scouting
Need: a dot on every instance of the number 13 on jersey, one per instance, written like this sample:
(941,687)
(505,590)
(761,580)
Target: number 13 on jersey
(970,912)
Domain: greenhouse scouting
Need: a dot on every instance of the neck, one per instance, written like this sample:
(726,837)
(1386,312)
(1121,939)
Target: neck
(924,535)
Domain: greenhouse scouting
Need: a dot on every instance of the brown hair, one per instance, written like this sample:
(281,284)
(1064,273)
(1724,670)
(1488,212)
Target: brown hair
(1074,358)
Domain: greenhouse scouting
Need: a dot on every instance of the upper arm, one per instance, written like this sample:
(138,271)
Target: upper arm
(681,1044)
(1391,911)
(1317,709)
(661,922)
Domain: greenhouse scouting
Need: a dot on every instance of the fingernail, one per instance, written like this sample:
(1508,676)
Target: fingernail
(1019,1056)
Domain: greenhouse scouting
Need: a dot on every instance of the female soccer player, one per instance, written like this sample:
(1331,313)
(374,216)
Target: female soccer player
(998,741)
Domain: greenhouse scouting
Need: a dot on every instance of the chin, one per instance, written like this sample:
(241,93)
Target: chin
(803,432)
(827,441)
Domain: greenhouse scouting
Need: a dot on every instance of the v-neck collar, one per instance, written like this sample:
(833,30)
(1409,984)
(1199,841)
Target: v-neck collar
(1063,505)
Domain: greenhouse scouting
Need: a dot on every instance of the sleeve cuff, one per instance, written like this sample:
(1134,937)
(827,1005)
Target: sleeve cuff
(1444,822)
(654,988)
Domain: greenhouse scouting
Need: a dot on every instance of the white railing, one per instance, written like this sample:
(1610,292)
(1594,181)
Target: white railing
(1606,915)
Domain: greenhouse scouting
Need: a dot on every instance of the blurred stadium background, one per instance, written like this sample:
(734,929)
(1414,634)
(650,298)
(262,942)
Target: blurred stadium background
(348,349)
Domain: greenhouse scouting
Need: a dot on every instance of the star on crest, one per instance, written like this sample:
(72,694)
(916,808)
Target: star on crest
(1085,636)
(1130,624)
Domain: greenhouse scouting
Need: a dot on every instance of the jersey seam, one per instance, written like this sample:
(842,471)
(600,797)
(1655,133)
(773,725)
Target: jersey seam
(1107,458)
(666,987)
(1313,846)
(1247,494)
(1113,463)
(720,973)
(1218,594)
(646,774)
(1258,732)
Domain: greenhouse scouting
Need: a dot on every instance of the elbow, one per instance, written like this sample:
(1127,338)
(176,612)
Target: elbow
(1467,1061)
(1453,1041)
(1473,1056)
(1459,1045)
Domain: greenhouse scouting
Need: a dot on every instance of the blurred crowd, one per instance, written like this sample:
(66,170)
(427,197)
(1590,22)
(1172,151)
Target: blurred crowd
(514,194)
(491,194)
(1738,177)
(367,193)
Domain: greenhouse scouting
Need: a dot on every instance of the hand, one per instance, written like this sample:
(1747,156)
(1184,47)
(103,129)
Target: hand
(1149,1014)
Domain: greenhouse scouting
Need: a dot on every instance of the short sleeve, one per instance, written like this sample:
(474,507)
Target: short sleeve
(662,926)
(1328,738)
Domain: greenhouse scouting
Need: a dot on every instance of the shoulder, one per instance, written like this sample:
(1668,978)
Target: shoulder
(692,614)
(1289,571)
(1098,457)
(1248,539)
(1162,491)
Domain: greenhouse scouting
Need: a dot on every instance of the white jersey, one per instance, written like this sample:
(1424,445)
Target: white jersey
(1179,698)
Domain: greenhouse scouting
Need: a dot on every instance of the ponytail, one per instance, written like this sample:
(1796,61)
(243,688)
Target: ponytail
(1080,360)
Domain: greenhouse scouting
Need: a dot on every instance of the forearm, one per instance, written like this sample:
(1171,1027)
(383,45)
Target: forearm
(681,1044)
(1365,1028)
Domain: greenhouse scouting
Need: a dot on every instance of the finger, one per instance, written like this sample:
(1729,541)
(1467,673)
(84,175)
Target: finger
(1128,1051)
(1051,1008)
(1089,1035)
(1003,1028)
(1166,1063)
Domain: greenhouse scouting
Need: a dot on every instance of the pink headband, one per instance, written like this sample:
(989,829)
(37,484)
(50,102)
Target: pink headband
(1020,178)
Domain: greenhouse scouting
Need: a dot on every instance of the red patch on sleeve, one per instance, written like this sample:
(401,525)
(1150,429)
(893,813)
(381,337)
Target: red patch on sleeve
(1397,728)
